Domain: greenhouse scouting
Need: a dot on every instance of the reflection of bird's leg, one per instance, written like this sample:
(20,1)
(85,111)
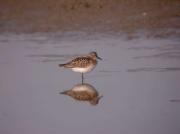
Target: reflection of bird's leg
(82,78)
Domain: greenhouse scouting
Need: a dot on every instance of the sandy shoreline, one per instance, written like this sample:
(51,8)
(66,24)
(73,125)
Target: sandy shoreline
(98,15)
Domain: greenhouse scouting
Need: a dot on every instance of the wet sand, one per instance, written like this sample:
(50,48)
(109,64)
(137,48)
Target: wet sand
(159,17)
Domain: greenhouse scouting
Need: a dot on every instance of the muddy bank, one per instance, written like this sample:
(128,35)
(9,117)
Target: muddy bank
(97,15)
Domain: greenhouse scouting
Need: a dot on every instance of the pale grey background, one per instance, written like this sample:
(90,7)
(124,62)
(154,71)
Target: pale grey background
(137,78)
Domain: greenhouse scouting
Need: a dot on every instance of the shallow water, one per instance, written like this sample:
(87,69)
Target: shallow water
(139,79)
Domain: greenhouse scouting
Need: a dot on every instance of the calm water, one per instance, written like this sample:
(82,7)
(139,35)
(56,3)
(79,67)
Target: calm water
(139,79)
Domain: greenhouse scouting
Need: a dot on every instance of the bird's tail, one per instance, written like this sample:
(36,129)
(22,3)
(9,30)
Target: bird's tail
(62,65)
(63,92)
(67,65)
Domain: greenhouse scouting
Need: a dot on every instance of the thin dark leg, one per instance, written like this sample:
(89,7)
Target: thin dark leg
(82,78)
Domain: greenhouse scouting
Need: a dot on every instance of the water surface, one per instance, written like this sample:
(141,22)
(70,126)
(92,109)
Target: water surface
(139,79)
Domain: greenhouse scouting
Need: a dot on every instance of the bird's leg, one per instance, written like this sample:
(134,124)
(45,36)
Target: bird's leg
(82,78)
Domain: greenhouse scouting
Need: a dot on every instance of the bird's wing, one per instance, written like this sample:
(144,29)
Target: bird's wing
(79,62)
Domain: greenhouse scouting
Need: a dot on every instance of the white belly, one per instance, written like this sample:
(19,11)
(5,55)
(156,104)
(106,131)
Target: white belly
(84,70)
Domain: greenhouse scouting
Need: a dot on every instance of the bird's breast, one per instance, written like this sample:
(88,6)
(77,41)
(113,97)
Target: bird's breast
(84,70)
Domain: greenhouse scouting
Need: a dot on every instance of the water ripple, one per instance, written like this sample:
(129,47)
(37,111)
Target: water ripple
(166,55)
(154,69)
(174,100)
(161,48)
(109,71)
(51,57)
(48,55)
(53,60)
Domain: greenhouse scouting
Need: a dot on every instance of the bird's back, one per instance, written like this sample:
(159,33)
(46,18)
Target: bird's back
(79,62)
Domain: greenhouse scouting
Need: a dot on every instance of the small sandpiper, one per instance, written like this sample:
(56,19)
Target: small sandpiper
(82,64)
(84,92)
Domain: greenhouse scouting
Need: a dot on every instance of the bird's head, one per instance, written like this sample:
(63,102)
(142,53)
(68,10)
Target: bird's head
(94,55)
(95,101)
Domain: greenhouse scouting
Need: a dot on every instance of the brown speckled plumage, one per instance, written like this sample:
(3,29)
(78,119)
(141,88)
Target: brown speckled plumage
(81,62)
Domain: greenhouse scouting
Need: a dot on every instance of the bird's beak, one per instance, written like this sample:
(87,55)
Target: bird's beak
(100,97)
(99,58)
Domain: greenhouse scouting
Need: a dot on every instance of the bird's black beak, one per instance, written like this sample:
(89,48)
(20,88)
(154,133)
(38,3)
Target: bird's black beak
(99,58)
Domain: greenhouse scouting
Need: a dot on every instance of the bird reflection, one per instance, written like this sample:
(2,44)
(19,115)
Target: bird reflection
(83,92)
